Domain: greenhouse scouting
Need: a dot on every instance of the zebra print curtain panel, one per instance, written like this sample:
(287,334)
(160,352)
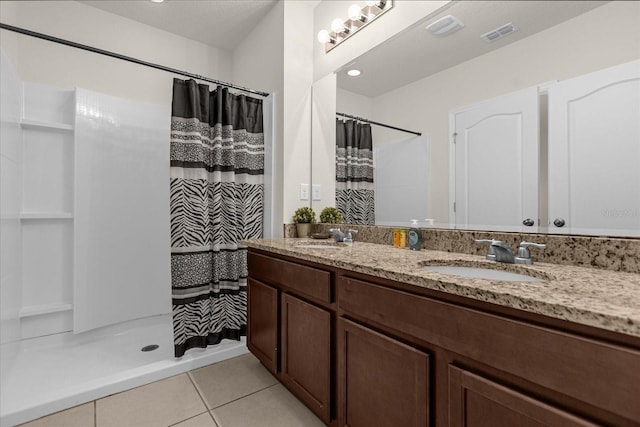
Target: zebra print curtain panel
(217,199)
(354,172)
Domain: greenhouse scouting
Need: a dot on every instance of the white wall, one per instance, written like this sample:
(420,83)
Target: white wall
(277,57)
(258,62)
(354,104)
(10,205)
(575,47)
(66,67)
(324,129)
(298,77)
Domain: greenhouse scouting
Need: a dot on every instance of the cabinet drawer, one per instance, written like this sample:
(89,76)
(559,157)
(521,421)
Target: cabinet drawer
(305,281)
(475,400)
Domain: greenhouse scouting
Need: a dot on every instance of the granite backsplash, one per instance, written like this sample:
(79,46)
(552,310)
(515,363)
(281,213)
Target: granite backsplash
(607,253)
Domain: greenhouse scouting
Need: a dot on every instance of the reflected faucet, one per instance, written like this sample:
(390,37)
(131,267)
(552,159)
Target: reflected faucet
(337,234)
(341,237)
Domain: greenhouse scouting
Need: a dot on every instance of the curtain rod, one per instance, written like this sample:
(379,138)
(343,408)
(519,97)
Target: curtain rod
(126,58)
(376,123)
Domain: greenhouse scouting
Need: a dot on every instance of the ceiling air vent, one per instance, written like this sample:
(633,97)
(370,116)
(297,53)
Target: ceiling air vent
(499,33)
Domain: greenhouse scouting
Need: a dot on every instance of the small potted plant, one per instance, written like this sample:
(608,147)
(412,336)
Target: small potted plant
(330,215)
(303,218)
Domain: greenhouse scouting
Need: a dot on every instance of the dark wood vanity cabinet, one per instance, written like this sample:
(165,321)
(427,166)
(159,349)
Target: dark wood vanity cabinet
(475,401)
(365,351)
(306,356)
(290,320)
(383,382)
(262,323)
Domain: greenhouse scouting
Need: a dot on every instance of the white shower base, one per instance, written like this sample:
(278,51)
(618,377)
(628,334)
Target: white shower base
(52,373)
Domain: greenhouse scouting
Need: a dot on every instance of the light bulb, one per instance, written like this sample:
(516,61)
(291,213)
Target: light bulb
(371,2)
(323,36)
(337,25)
(354,12)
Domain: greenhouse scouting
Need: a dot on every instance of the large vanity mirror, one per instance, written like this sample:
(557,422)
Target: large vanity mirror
(508,143)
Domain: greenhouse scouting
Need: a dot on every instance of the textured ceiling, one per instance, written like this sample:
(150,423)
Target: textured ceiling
(219,23)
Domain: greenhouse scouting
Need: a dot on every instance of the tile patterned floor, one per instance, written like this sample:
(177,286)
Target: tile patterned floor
(238,392)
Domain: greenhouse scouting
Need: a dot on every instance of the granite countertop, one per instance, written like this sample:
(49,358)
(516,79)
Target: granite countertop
(601,298)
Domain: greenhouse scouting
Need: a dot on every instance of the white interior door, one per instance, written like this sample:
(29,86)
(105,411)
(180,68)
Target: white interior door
(594,153)
(494,170)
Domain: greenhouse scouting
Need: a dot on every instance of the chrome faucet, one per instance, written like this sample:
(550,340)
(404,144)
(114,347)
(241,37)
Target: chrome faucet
(524,256)
(337,234)
(500,251)
(341,237)
(503,251)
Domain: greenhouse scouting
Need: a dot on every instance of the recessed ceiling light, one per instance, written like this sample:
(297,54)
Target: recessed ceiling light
(353,73)
(157,1)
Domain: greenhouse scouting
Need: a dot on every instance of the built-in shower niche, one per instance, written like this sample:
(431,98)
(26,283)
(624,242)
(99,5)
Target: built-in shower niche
(46,215)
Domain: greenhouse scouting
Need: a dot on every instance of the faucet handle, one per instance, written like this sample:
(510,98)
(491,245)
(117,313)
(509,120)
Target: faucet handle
(524,255)
(491,252)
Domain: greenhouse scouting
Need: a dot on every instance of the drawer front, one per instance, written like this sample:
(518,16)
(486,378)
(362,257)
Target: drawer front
(567,363)
(303,280)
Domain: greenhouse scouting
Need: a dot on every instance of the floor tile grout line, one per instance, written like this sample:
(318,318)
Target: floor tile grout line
(204,402)
(245,396)
(191,417)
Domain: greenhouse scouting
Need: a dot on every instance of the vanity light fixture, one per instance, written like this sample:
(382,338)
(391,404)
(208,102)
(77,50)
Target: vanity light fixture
(353,73)
(358,17)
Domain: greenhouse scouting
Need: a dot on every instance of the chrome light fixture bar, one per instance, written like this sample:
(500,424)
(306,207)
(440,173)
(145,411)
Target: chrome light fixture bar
(359,18)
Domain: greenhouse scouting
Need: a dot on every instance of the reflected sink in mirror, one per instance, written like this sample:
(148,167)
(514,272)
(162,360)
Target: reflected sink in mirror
(487,271)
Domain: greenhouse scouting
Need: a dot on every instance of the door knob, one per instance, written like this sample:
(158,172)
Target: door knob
(528,222)
(558,222)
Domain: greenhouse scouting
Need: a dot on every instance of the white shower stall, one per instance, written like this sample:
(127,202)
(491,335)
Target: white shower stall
(85,247)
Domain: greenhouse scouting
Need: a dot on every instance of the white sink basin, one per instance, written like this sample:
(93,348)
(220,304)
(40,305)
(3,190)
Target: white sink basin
(482,273)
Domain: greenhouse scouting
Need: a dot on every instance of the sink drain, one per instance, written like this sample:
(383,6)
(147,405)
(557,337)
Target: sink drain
(150,347)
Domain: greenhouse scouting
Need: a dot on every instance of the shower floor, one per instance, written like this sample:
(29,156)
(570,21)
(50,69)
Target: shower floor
(56,372)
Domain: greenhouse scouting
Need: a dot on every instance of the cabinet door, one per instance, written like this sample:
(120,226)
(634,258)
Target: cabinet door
(475,401)
(262,323)
(382,382)
(306,354)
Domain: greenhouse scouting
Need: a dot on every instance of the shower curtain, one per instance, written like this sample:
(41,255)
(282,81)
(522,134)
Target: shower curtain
(354,172)
(217,199)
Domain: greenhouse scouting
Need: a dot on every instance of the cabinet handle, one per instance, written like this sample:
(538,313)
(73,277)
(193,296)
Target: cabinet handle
(528,222)
(558,222)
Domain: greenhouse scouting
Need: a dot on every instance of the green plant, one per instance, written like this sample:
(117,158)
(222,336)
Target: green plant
(304,215)
(330,215)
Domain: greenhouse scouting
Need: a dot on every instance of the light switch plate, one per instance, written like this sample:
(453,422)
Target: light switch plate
(304,191)
(316,192)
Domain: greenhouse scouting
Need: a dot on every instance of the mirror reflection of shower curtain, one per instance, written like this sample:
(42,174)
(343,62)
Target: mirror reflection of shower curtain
(354,172)
(217,200)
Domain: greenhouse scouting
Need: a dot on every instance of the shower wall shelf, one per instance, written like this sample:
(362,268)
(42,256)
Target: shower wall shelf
(36,124)
(37,310)
(48,209)
(45,215)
